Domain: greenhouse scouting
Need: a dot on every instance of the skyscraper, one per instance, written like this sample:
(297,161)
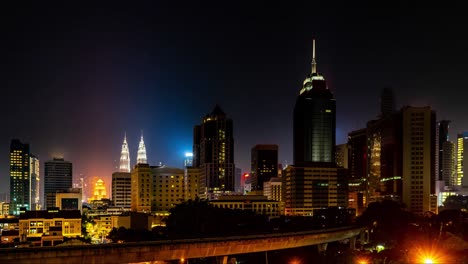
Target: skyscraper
(264,164)
(314,121)
(125,157)
(34,176)
(141,158)
(387,102)
(448,164)
(58,176)
(121,189)
(462,159)
(314,181)
(419,127)
(20,188)
(442,136)
(213,149)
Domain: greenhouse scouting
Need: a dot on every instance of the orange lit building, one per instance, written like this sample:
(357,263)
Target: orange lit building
(99,191)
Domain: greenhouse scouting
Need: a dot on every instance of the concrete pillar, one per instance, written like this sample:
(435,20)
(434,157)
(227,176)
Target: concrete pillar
(352,243)
(222,260)
(364,237)
(322,248)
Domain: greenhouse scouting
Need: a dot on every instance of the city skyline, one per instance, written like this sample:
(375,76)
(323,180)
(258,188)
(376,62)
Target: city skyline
(87,81)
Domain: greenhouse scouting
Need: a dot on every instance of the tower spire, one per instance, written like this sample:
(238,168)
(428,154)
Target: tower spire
(124,156)
(314,63)
(141,157)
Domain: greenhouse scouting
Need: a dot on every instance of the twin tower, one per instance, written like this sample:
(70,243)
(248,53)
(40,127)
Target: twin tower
(125,155)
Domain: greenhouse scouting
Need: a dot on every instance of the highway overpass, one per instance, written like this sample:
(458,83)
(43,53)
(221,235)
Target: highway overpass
(161,251)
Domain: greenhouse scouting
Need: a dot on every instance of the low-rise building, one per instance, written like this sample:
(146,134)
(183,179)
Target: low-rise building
(39,223)
(256,203)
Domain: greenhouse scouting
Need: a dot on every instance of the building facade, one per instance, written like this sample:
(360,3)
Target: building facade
(442,135)
(34,176)
(256,203)
(462,144)
(419,158)
(20,184)
(264,164)
(168,188)
(142,188)
(341,155)
(122,189)
(191,176)
(58,176)
(213,151)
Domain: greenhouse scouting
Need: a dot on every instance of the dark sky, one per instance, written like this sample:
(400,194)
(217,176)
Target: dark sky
(74,78)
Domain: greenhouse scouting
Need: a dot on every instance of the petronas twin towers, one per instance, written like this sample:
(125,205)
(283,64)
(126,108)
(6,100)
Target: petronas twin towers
(125,155)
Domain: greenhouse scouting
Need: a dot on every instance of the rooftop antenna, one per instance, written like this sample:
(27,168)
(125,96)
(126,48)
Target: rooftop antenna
(314,64)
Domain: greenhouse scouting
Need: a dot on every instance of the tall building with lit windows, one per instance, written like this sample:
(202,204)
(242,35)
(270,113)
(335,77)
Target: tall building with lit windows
(264,164)
(34,176)
(20,185)
(419,158)
(213,150)
(462,144)
(141,155)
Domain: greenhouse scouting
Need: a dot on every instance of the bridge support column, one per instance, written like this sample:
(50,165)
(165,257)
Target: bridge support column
(222,260)
(352,243)
(322,248)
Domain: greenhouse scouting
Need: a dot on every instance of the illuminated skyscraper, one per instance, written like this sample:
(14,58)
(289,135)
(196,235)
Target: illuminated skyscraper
(462,144)
(141,158)
(314,121)
(314,181)
(125,157)
(214,153)
(57,177)
(34,176)
(99,191)
(20,188)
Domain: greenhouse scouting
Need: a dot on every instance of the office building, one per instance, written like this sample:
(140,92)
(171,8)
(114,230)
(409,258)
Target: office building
(442,135)
(70,199)
(314,124)
(272,189)
(191,176)
(142,188)
(448,164)
(341,155)
(168,187)
(213,151)
(121,189)
(34,176)
(58,176)
(419,140)
(462,144)
(264,165)
(255,203)
(314,181)
(20,185)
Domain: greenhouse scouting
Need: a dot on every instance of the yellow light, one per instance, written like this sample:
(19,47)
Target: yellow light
(428,261)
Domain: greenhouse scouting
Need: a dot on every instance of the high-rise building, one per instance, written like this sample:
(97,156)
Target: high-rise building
(237,181)
(213,148)
(34,176)
(442,135)
(462,144)
(191,189)
(264,164)
(448,164)
(20,188)
(314,181)
(341,155)
(357,156)
(121,189)
(272,189)
(142,188)
(141,156)
(58,176)
(168,188)
(125,157)
(314,121)
(419,140)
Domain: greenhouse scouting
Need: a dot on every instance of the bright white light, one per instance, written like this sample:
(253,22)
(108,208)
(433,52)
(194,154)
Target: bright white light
(188,154)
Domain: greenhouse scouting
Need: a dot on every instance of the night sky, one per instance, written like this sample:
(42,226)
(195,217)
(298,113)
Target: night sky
(74,78)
